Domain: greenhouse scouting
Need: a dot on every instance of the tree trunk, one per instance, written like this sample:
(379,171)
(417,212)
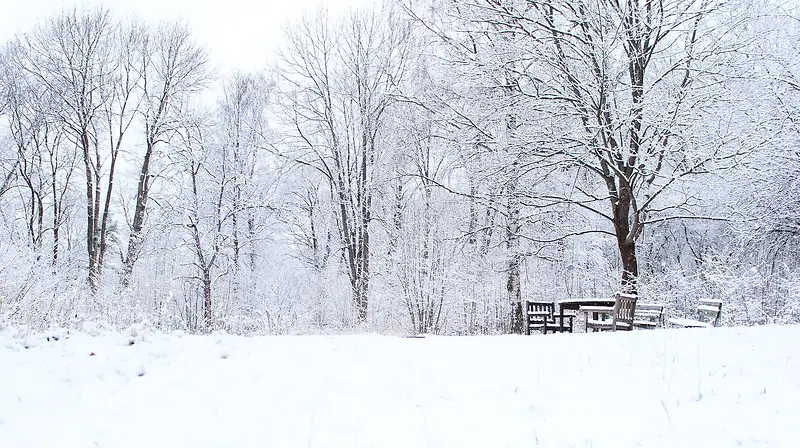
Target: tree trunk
(56,218)
(513,284)
(397,216)
(513,228)
(630,266)
(235,227)
(208,316)
(90,215)
(251,233)
(106,208)
(363,276)
(362,301)
(626,240)
(135,239)
(39,224)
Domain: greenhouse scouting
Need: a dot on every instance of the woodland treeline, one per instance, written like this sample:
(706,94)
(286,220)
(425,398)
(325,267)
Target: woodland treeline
(418,166)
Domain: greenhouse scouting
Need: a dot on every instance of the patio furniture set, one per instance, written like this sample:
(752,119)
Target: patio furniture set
(621,313)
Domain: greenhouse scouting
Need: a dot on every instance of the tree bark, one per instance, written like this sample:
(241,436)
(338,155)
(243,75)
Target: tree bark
(513,283)
(142,194)
(626,240)
(208,315)
(91,222)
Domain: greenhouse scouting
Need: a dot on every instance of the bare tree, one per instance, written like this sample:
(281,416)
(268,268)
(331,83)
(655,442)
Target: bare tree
(44,163)
(244,131)
(82,63)
(28,130)
(171,66)
(340,83)
(205,208)
(421,255)
(481,98)
(622,92)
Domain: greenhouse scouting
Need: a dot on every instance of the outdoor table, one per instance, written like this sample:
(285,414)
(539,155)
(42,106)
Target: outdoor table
(576,304)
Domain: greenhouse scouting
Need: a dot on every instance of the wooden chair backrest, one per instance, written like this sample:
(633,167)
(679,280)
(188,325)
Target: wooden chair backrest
(624,309)
(536,306)
(709,311)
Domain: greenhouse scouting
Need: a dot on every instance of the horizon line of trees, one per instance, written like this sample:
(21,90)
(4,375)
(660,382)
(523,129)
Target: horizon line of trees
(415,167)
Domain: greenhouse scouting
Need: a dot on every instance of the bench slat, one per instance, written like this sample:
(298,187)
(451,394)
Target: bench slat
(689,322)
(712,309)
(649,306)
(647,323)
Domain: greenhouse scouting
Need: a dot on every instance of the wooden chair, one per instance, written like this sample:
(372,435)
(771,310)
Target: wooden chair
(648,315)
(618,317)
(541,316)
(708,314)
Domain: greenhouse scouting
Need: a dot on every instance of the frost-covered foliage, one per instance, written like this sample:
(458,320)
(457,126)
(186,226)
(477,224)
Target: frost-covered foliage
(424,167)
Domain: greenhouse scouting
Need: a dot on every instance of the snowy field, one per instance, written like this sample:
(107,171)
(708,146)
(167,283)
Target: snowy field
(679,388)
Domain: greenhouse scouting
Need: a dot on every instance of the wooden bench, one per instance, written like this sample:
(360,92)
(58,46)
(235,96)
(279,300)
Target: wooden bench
(708,314)
(648,316)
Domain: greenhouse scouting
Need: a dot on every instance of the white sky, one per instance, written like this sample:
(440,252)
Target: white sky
(240,34)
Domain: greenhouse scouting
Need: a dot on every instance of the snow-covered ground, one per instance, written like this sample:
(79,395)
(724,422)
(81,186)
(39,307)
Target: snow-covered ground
(678,388)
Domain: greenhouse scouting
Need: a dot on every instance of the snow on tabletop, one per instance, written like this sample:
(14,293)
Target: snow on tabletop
(709,388)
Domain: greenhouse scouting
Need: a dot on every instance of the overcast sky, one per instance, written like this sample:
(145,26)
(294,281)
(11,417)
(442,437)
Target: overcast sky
(240,34)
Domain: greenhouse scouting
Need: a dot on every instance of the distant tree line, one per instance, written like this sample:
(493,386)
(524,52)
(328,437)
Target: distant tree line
(418,167)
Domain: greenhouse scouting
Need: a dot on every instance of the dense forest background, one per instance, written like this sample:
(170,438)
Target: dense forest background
(420,166)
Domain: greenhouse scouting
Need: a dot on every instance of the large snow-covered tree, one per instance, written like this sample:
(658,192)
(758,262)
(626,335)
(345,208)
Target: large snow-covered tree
(635,97)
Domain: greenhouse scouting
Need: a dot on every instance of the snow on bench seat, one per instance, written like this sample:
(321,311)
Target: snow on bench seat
(680,321)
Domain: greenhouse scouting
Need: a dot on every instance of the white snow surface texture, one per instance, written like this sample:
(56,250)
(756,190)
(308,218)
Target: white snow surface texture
(706,388)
